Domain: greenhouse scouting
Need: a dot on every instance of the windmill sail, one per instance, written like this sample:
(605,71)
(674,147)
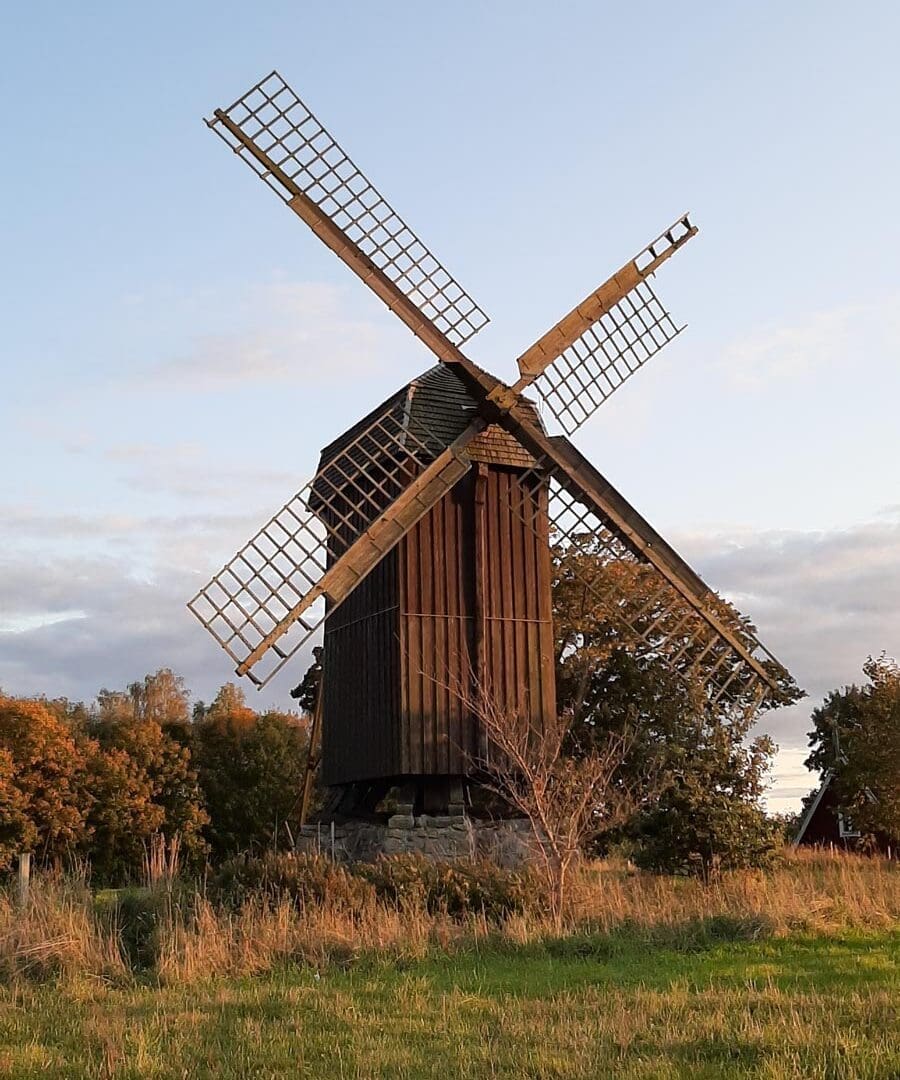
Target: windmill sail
(588,354)
(271,129)
(275,593)
(377,483)
(649,601)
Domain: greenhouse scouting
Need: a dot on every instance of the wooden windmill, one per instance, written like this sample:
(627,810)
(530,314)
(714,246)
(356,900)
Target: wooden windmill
(421,549)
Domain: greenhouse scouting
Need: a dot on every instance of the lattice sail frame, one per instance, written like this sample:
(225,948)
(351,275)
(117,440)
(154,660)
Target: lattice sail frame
(278,123)
(608,353)
(288,557)
(663,625)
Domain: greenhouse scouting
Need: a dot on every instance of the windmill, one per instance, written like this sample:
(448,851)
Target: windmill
(421,548)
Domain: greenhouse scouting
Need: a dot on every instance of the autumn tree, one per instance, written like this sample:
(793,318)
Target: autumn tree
(250,768)
(856,736)
(17,832)
(42,780)
(145,779)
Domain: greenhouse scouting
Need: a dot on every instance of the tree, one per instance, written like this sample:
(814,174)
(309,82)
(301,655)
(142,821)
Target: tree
(250,768)
(856,735)
(568,801)
(123,815)
(147,780)
(42,779)
(709,814)
(17,832)
(706,810)
(161,697)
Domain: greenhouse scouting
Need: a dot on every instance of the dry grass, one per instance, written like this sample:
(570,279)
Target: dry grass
(808,890)
(62,932)
(262,937)
(58,932)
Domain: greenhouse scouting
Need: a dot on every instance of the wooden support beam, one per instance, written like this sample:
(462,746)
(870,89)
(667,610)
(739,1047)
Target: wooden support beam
(312,756)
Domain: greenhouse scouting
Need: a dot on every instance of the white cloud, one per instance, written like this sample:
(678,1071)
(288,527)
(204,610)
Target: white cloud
(283,332)
(814,343)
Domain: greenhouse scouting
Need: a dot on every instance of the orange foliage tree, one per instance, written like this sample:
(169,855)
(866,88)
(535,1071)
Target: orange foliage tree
(42,781)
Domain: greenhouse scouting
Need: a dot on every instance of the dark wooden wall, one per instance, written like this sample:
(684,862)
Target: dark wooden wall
(361,667)
(467,589)
(437,577)
(519,663)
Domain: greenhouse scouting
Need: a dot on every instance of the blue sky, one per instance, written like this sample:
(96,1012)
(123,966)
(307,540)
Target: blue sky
(176,347)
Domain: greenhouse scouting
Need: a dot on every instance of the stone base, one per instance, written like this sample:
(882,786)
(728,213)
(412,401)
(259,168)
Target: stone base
(507,842)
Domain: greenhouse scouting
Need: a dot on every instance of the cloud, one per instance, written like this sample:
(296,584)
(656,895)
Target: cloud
(283,332)
(127,626)
(823,602)
(198,480)
(814,343)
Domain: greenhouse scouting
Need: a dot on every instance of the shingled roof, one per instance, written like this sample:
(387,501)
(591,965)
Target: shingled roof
(436,408)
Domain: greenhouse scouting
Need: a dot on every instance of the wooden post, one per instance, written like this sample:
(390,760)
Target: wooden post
(312,757)
(24,878)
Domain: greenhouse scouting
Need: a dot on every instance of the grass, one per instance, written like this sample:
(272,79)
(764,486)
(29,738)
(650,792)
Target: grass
(611,1005)
(794,973)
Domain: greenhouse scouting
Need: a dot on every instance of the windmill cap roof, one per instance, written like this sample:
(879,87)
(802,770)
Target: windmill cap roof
(437,407)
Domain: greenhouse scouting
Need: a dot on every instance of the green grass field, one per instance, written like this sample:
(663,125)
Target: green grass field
(605,1006)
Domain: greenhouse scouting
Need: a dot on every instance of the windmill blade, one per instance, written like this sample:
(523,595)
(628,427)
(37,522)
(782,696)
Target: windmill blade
(613,332)
(271,129)
(277,591)
(617,557)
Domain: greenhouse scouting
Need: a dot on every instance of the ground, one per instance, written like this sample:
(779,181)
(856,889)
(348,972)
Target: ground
(605,1006)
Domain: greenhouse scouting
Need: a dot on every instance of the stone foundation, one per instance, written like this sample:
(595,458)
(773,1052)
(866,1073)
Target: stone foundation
(507,842)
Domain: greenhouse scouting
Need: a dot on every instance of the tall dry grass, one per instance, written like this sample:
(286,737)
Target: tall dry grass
(58,932)
(808,890)
(62,931)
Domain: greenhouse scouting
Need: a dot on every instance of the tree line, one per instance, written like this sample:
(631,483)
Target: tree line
(99,781)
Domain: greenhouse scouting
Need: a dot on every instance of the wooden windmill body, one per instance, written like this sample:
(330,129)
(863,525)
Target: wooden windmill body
(464,596)
(421,549)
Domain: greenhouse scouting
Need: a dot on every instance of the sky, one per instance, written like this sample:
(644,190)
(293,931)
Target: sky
(176,346)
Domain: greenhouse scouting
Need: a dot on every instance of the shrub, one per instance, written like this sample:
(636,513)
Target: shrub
(304,879)
(142,915)
(457,888)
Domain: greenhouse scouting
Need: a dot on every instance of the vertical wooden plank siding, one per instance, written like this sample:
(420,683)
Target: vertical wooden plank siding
(361,671)
(439,612)
(436,616)
(400,649)
(520,609)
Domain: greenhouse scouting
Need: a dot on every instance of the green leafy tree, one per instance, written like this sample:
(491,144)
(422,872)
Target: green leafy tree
(856,735)
(706,809)
(251,769)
